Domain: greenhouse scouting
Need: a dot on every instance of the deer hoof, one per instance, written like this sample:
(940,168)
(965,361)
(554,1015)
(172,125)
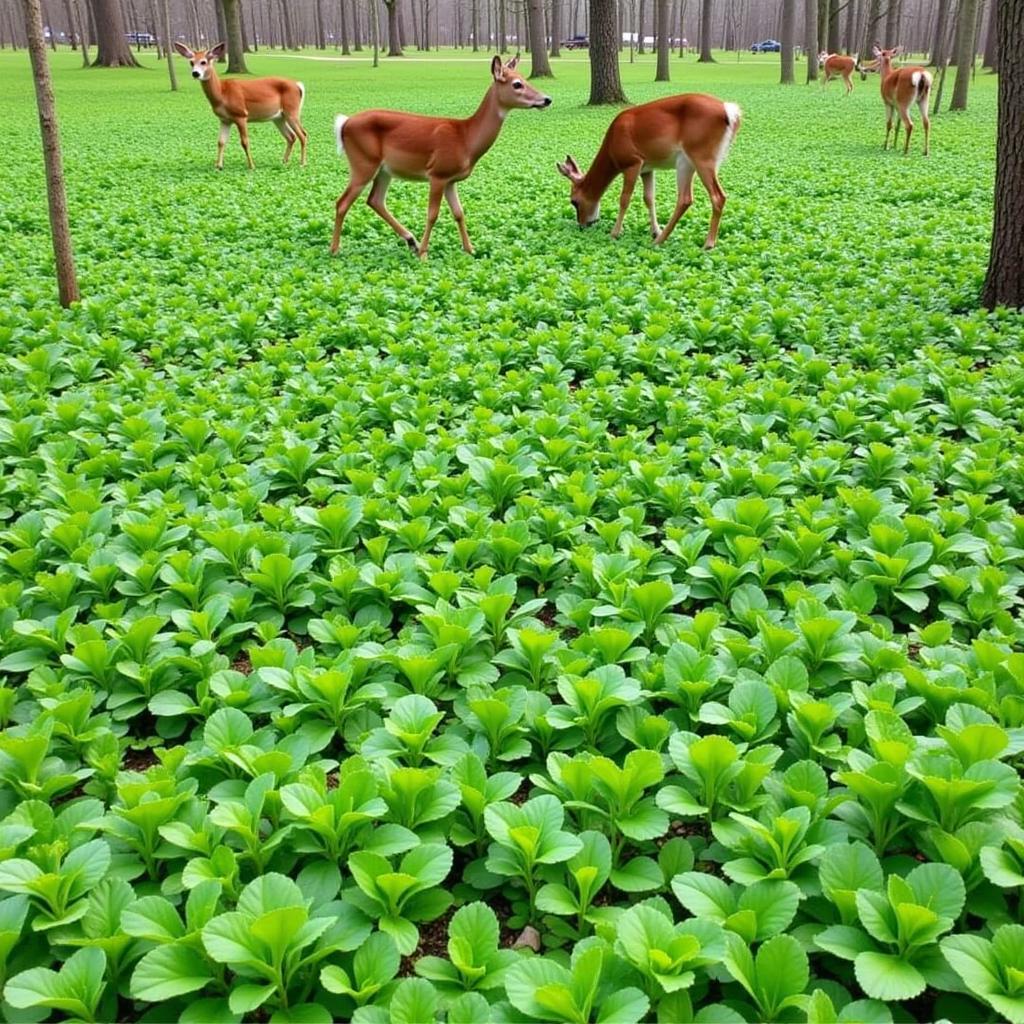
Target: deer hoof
(414,246)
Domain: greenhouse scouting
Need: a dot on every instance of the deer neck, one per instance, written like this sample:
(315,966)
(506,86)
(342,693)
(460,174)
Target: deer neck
(483,127)
(212,88)
(601,174)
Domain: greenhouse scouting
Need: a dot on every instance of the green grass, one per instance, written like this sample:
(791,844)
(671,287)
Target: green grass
(612,530)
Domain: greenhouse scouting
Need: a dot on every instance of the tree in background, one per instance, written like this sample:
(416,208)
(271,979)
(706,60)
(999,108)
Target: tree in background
(165,19)
(236,45)
(788,76)
(540,67)
(965,53)
(811,38)
(705,33)
(60,229)
(661,30)
(991,58)
(394,40)
(605,83)
(112,49)
(1004,283)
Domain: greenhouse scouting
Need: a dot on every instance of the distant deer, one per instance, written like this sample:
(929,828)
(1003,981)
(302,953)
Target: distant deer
(238,101)
(687,133)
(838,66)
(900,88)
(442,151)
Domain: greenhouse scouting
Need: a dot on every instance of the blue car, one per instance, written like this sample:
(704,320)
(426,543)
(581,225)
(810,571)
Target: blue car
(766,46)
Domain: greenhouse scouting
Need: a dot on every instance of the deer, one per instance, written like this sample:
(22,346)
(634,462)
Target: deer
(238,101)
(690,133)
(442,151)
(838,66)
(900,88)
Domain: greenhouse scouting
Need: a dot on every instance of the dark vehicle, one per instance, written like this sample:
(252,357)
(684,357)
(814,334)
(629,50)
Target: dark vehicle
(576,43)
(140,38)
(766,46)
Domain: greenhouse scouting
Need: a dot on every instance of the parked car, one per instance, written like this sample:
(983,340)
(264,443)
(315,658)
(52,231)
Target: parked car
(140,38)
(766,46)
(576,43)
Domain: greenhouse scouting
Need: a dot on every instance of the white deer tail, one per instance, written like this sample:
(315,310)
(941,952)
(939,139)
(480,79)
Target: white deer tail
(922,82)
(339,127)
(733,116)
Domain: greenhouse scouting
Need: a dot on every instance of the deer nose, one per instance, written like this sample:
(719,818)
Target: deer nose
(547,101)
(195,74)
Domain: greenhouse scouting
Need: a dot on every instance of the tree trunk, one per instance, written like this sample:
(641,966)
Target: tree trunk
(221,32)
(72,24)
(661,31)
(83,30)
(236,45)
(1004,283)
(321,32)
(705,33)
(788,76)
(605,84)
(343,26)
(964,53)
(48,23)
(872,33)
(811,38)
(556,28)
(286,23)
(60,229)
(833,26)
(394,40)
(540,67)
(165,17)
(938,50)
(640,27)
(849,33)
(892,22)
(991,59)
(112,49)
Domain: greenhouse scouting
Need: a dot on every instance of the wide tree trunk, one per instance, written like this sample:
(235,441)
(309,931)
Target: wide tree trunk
(556,28)
(991,58)
(605,83)
(662,41)
(540,67)
(705,33)
(938,51)
(394,40)
(60,229)
(236,44)
(112,49)
(1004,283)
(850,31)
(873,29)
(788,76)
(343,26)
(811,38)
(892,22)
(964,53)
(833,26)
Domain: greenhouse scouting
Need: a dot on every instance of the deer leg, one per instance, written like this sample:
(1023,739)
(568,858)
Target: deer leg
(922,105)
(909,125)
(684,181)
(848,81)
(709,177)
(888,127)
(647,177)
(289,136)
(437,187)
(222,141)
(452,195)
(296,128)
(629,176)
(376,202)
(356,184)
(243,135)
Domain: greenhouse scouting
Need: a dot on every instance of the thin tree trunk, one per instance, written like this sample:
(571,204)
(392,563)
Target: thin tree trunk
(540,66)
(72,24)
(811,38)
(221,30)
(165,15)
(60,228)
(991,58)
(682,21)
(892,22)
(1004,282)
(849,34)
(49,29)
(871,29)
(112,49)
(833,26)
(286,24)
(321,32)
(236,45)
(788,75)
(556,28)
(343,26)
(964,53)
(938,54)
(640,28)
(705,33)
(663,72)
(375,31)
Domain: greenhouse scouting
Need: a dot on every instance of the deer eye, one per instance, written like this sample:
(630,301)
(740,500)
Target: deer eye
(517,84)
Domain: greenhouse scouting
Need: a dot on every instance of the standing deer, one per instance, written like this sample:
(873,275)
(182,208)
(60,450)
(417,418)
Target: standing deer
(838,66)
(688,133)
(238,101)
(385,144)
(900,88)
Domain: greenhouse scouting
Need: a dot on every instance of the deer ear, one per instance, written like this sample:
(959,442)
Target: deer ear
(572,165)
(496,69)
(876,51)
(216,52)
(184,50)
(513,63)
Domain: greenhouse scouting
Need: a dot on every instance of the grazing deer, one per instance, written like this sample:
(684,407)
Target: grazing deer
(385,144)
(688,133)
(238,101)
(900,88)
(838,66)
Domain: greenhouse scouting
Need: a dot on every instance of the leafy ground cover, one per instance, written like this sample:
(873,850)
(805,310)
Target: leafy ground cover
(658,609)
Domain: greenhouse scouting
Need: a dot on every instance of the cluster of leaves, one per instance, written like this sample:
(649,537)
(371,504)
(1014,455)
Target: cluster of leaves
(338,647)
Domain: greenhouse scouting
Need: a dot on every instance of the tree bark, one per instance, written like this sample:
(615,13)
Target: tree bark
(991,58)
(286,22)
(236,45)
(850,32)
(1004,282)
(788,76)
(661,31)
(705,33)
(343,26)
(540,67)
(394,40)
(833,26)
(811,38)
(556,28)
(872,32)
(938,50)
(60,229)
(605,83)
(112,49)
(640,27)
(165,16)
(321,32)
(892,22)
(964,53)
